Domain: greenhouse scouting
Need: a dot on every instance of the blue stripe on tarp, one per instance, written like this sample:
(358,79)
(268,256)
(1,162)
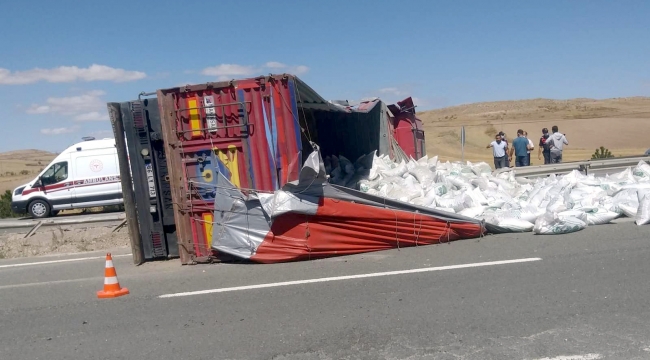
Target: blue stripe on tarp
(294,110)
(271,155)
(251,169)
(274,128)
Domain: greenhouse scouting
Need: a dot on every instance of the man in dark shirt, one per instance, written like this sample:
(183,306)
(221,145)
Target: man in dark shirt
(544,148)
(520,148)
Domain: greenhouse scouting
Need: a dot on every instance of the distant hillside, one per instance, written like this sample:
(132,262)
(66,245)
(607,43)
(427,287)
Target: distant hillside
(620,124)
(20,166)
(29,154)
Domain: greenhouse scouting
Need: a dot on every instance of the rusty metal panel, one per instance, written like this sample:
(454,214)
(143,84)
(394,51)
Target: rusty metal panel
(248,130)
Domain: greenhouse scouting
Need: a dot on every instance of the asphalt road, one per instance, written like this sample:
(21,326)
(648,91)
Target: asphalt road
(581,296)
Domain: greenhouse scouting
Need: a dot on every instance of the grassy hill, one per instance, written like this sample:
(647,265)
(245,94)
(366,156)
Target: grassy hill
(619,124)
(21,166)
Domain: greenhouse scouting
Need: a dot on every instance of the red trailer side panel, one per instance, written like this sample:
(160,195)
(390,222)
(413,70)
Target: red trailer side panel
(408,129)
(247,130)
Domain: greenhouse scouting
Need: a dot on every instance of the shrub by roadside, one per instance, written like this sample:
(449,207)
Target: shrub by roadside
(5,206)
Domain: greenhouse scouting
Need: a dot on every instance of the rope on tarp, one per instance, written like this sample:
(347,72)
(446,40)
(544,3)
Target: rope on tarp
(448,226)
(307,235)
(396,228)
(417,236)
(304,115)
(400,154)
(208,185)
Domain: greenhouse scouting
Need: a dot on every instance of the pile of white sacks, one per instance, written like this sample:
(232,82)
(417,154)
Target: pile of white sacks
(550,205)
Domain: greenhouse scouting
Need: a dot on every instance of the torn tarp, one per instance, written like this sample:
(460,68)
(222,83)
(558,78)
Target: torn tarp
(312,219)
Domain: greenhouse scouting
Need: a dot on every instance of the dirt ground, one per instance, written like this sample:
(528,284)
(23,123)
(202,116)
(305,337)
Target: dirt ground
(62,240)
(619,124)
(21,166)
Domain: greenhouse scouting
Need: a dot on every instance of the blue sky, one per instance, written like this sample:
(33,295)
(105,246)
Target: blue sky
(62,61)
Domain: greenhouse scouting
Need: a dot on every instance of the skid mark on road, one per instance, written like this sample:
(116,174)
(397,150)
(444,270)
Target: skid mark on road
(58,261)
(348,277)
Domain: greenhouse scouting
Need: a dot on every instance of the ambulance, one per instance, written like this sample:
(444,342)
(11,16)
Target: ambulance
(85,175)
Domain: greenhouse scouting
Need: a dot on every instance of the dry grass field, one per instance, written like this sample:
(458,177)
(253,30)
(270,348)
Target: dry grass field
(20,166)
(622,125)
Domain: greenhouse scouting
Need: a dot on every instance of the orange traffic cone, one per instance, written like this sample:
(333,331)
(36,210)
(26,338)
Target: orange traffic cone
(112,287)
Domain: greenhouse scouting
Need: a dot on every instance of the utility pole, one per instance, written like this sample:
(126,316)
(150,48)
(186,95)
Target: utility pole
(462,143)
(115,114)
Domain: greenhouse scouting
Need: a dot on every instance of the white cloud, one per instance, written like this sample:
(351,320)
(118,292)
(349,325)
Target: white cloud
(275,65)
(66,74)
(102,134)
(85,107)
(225,72)
(60,131)
(38,109)
(92,116)
(229,71)
(298,70)
(391,91)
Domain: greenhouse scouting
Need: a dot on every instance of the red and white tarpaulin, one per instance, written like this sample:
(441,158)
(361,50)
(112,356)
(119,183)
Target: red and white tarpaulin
(312,219)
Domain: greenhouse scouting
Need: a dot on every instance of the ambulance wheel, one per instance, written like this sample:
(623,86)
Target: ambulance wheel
(39,209)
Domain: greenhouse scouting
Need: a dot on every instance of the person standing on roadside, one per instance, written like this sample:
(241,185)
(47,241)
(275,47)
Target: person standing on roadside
(530,144)
(544,147)
(505,140)
(520,147)
(557,142)
(499,151)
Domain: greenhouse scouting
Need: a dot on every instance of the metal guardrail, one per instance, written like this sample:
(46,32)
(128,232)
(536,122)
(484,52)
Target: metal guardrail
(585,167)
(63,220)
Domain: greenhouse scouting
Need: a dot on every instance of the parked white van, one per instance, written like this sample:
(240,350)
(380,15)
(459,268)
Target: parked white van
(84,175)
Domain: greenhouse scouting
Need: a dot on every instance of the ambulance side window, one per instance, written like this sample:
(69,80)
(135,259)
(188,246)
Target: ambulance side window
(55,174)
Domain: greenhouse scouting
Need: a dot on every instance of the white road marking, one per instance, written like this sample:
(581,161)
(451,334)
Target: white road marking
(347,277)
(58,261)
(575,357)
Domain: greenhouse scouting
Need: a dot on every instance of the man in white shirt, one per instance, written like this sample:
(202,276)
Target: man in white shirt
(505,140)
(499,151)
(532,145)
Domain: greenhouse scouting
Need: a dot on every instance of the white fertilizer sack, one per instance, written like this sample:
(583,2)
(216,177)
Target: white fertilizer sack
(556,226)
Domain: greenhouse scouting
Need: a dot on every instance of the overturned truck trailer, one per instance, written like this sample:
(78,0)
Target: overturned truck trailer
(256,134)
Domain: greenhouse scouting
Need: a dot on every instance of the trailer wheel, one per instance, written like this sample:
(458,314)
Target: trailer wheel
(39,209)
